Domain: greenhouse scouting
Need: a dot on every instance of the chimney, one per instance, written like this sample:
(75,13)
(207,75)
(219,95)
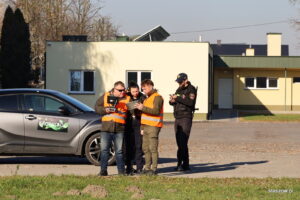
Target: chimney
(250,52)
(274,44)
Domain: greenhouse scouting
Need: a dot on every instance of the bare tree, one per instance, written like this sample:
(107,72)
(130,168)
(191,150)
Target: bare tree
(103,29)
(50,19)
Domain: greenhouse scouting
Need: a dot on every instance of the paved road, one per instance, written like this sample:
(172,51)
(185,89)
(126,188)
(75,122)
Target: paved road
(217,149)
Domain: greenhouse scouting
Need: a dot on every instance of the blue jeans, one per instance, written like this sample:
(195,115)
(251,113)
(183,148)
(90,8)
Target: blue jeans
(106,141)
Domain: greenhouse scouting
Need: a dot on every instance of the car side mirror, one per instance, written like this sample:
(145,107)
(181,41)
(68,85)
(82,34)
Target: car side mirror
(64,110)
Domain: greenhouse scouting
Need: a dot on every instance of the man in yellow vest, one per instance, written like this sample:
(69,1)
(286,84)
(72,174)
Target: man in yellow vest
(113,125)
(151,123)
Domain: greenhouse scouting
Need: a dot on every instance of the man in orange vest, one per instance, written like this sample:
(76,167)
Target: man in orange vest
(152,121)
(113,125)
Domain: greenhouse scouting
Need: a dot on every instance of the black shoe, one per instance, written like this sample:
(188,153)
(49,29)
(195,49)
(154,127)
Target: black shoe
(150,172)
(186,168)
(130,172)
(179,168)
(103,173)
(146,171)
(139,172)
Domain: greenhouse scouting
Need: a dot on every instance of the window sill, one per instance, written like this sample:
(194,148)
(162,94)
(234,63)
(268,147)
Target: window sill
(81,93)
(261,88)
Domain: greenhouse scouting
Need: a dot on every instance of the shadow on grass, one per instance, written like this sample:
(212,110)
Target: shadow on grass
(255,114)
(44,160)
(208,167)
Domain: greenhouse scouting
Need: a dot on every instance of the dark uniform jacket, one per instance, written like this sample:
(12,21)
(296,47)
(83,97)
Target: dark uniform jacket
(184,104)
(107,126)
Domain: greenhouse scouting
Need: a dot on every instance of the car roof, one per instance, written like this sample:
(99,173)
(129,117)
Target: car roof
(26,90)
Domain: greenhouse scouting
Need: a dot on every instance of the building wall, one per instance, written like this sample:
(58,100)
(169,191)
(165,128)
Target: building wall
(273,99)
(110,60)
(286,97)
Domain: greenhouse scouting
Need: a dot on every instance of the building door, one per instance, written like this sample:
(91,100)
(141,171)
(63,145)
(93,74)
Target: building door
(295,94)
(225,93)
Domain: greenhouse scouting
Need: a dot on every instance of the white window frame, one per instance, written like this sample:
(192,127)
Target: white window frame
(255,84)
(139,76)
(81,91)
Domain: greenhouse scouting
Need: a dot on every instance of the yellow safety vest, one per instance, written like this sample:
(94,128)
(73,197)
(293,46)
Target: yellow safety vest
(152,120)
(121,109)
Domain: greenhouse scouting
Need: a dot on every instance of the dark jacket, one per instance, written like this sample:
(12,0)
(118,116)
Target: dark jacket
(107,126)
(184,104)
(136,113)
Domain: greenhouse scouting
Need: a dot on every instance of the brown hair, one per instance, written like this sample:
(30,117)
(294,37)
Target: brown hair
(119,83)
(147,82)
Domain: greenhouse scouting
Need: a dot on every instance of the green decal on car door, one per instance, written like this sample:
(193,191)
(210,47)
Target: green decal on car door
(53,124)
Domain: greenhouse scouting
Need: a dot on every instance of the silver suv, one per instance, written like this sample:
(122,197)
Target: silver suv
(47,122)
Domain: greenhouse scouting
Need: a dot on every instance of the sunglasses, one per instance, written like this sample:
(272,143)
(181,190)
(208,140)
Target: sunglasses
(122,90)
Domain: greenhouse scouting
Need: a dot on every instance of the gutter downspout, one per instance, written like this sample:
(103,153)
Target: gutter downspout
(285,75)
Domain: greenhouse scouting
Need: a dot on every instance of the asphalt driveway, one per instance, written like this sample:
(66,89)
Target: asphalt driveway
(217,149)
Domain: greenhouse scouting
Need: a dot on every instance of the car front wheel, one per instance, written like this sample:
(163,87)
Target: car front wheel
(93,151)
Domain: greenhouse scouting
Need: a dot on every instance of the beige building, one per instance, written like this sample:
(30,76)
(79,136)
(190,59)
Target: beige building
(85,70)
(252,82)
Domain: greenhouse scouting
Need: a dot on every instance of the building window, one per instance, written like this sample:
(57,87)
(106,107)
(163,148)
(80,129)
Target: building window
(273,83)
(296,80)
(249,82)
(261,83)
(137,76)
(81,81)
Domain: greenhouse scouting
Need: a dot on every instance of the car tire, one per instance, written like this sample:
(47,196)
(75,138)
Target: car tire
(93,151)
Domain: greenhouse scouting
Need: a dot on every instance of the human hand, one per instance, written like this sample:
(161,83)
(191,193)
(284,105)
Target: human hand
(142,132)
(172,100)
(174,96)
(107,110)
(138,106)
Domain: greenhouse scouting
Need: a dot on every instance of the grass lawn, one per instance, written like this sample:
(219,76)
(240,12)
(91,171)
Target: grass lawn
(244,116)
(145,187)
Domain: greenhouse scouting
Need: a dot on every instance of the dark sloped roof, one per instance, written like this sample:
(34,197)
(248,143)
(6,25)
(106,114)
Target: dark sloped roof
(239,49)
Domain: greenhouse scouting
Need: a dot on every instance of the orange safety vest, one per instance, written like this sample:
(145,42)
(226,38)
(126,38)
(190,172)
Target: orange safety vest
(152,120)
(121,109)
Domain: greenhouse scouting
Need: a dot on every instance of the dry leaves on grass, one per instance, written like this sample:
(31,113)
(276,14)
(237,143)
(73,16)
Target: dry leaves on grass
(58,194)
(137,192)
(74,192)
(95,191)
(138,195)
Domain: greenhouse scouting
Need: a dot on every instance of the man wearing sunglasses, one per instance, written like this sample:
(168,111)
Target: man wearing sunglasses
(113,125)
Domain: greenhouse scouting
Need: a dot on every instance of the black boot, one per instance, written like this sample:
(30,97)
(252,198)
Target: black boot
(103,173)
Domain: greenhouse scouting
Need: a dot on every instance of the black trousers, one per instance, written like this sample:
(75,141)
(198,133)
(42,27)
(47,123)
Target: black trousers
(133,144)
(138,140)
(182,129)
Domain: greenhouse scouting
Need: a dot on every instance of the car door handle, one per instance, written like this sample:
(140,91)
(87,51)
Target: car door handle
(30,117)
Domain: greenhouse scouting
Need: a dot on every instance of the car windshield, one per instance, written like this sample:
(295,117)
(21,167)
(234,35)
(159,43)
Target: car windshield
(75,102)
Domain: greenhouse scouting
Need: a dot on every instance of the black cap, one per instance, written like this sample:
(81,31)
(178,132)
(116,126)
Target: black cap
(181,77)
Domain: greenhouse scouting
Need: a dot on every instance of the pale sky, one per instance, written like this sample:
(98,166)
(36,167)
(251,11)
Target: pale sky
(138,16)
